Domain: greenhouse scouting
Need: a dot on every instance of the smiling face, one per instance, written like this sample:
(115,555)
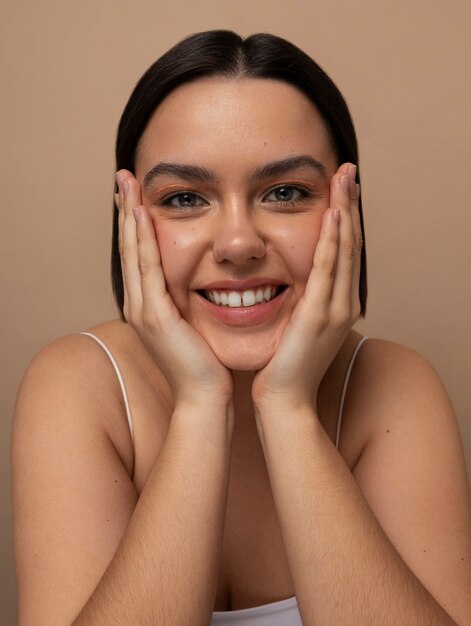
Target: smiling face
(236,237)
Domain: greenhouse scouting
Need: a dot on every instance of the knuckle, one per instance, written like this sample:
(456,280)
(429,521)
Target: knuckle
(328,267)
(354,199)
(327,264)
(359,241)
(124,252)
(349,249)
(143,265)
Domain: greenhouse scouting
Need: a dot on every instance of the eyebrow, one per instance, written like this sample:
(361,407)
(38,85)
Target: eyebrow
(196,173)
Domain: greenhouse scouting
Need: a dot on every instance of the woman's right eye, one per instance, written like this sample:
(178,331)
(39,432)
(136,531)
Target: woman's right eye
(186,200)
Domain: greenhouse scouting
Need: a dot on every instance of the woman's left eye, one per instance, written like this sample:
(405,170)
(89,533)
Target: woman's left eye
(185,199)
(289,194)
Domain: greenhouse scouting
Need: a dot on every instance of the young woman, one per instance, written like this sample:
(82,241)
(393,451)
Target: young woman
(231,450)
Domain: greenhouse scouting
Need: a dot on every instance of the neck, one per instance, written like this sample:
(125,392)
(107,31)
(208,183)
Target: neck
(243,405)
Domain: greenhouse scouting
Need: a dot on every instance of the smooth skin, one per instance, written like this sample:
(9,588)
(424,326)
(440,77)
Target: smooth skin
(122,557)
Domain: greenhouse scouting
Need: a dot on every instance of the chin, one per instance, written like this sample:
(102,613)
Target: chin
(244,363)
(248,356)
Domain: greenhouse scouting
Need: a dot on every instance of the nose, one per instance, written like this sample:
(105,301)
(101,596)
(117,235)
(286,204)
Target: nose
(237,238)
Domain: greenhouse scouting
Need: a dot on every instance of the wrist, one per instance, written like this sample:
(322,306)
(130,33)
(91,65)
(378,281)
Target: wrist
(283,405)
(278,425)
(285,411)
(201,408)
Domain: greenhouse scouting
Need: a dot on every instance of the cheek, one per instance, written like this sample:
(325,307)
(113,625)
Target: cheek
(178,245)
(298,244)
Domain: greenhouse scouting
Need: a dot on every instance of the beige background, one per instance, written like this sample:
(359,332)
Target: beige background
(67,71)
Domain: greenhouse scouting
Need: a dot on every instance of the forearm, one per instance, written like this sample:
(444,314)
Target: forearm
(344,568)
(166,568)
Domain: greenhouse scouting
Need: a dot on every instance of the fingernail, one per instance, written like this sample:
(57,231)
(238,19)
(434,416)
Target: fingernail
(119,180)
(352,171)
(336,215)
(116,200)
(344,183)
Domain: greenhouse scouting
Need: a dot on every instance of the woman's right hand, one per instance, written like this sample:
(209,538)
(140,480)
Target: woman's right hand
(189,364)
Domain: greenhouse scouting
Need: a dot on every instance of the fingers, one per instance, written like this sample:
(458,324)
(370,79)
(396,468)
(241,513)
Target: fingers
(129,198)
(320,282)
(154,292)
(146,297)
(333,285)
(344,299)
(355,305)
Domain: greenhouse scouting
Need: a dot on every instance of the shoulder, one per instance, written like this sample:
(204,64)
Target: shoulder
(393,390)
(406,419)
(390,384)
(70,384)
(73,362)
(79,361)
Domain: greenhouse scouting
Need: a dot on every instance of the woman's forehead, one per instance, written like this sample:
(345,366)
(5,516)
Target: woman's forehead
(216,117)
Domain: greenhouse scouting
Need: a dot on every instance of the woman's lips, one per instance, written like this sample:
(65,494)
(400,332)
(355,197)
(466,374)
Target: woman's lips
(248,315)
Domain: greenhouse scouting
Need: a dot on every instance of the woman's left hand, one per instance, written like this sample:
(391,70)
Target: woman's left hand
(325,313)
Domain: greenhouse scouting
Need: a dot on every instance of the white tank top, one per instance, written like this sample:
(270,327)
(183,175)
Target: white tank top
(281,613)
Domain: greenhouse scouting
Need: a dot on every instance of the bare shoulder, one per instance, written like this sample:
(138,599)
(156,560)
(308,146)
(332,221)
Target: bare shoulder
(75,373)
(412,469)
(393,385)
(388,364)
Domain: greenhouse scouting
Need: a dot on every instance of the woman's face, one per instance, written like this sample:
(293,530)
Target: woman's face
(237,226)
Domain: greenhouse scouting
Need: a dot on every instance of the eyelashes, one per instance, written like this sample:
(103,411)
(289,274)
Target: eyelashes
(182,194)
(189,197)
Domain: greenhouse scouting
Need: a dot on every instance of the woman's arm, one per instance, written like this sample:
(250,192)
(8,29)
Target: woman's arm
(390,542)
(87,550)
(77,524)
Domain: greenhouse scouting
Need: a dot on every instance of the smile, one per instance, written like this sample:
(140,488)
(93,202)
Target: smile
(246,298)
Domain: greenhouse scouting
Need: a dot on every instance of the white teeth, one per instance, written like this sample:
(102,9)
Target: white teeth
(234,299)
(259,296)
(247,298)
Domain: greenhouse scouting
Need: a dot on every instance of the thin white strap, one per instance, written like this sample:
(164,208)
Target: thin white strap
(120,378)
(344,390)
